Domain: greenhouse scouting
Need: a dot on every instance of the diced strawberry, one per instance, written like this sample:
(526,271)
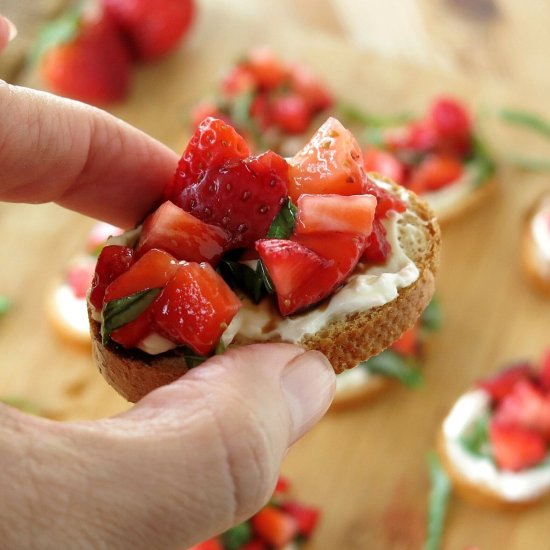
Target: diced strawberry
(418,137)
(266,68)
(308,86)
(80,277)
(255,544)
(99,233)
(213,143)
(274,526)
(385,201)
(453,125)
(195,307)
(526,406)
(153,270)
(202,110)
(346,214)
(516,448)
(174,230)
(300,276)
(290,113)
(306,517)
(377,248)
(211,544)
(132,333)
(332,162)
(435,172)
(260,111)
(345,249)
(545,370)
(385,163)
(112,262)
(408,343)
(282,487)
(242,196)
(237,81)
(501,384)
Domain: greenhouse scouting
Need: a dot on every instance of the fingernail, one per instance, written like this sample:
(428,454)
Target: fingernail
(12,29)
(308,384)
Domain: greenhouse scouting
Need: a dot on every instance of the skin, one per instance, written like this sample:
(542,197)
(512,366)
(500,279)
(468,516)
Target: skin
(192,458)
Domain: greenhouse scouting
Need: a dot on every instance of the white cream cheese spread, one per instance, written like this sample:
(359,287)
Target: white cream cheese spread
(540,231)
(512,486)
(71,309)
(353,378)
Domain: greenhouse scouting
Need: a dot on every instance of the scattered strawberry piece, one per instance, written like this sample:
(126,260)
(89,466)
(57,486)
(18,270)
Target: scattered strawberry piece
(172,229)
(213,143)
(526,406)
(153,270)
(205,109)
(255,544)
(377,248)
(300,276)
(435,172)
(274,526)
(195,307)
(417,137)
(132,333)
(243,197)
(307,517)
(346,214)
(291,113)
(80,277)
(112,262)
(260,111)
(282,487)
(545,370)
(308,86)
(267,70)
(385,201)
(385,163)
(91,63)
(501,384)
(239,80)
(211,544)
(331,162)
(152,28)
(516,448)
(408,343)
(452,124)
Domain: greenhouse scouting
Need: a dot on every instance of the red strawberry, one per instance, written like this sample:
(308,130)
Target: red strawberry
(290,113)
(282,487)
(211,544)
(80,277)
(418,137)
(213,143)
(239,80)
(408,343)
(526,406)
(452,123)
(255,544)
(111,263)
(300,276)
(377,248)
(266,68)
(179,233)
(340,213)
(153,270)
(274,526)
(132,333)
(306,517)
(545,370)
(331,162)
(435,172)
(202,110)
(516,448)
(383,162)
(308,86)
(385,201)
(501,384)
(195,307)
(152,28)
(241,196)
(90,62)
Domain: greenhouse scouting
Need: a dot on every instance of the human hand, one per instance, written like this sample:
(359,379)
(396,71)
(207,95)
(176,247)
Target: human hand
(7,32)
(190,459)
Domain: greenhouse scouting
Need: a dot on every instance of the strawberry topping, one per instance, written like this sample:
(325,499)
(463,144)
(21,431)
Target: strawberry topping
(275,526)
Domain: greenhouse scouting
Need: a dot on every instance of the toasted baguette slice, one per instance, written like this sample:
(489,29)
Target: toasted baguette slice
(345,341)
(535,268)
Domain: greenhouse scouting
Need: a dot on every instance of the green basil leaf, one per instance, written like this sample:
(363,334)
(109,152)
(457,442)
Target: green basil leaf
(432,316)
(283,224)
(237,536)
(527,120)
(353,113)
(481,161)
(242,276)
(440,493)
(5,305)
(476,439)
(262,272)
(529,163)
(194,360)
(118,313)
(390,364)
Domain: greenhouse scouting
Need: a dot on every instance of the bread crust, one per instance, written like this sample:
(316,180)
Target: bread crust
(476,493)
(345,342)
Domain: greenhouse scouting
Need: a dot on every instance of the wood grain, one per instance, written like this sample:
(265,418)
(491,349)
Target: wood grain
(366,468)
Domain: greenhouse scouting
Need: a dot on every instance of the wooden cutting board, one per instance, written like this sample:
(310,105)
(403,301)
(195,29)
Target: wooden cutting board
(366,468)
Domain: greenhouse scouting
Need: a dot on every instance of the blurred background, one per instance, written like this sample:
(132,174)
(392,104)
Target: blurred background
(364,467)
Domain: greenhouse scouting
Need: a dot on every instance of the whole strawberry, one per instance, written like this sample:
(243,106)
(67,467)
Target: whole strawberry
(83,56)
(152,27)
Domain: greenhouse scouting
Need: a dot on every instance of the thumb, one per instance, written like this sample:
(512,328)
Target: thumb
(7,31)
(197,456)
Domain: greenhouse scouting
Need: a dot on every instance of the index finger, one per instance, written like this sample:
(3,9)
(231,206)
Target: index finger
(55,149)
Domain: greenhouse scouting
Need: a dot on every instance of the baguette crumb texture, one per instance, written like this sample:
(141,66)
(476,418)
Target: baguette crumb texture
(345,342)
(475,493)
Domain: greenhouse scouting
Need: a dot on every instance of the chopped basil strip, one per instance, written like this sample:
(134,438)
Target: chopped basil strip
(5,305)
(432,316)
(374,136)
(526,119)
(283,224)
(118,313)
(391,364)
(194,360)
(353,113)
(237,536)
(481,160)
(438,503)
(268,283)
(528,163)
(244,277)
(476,439)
